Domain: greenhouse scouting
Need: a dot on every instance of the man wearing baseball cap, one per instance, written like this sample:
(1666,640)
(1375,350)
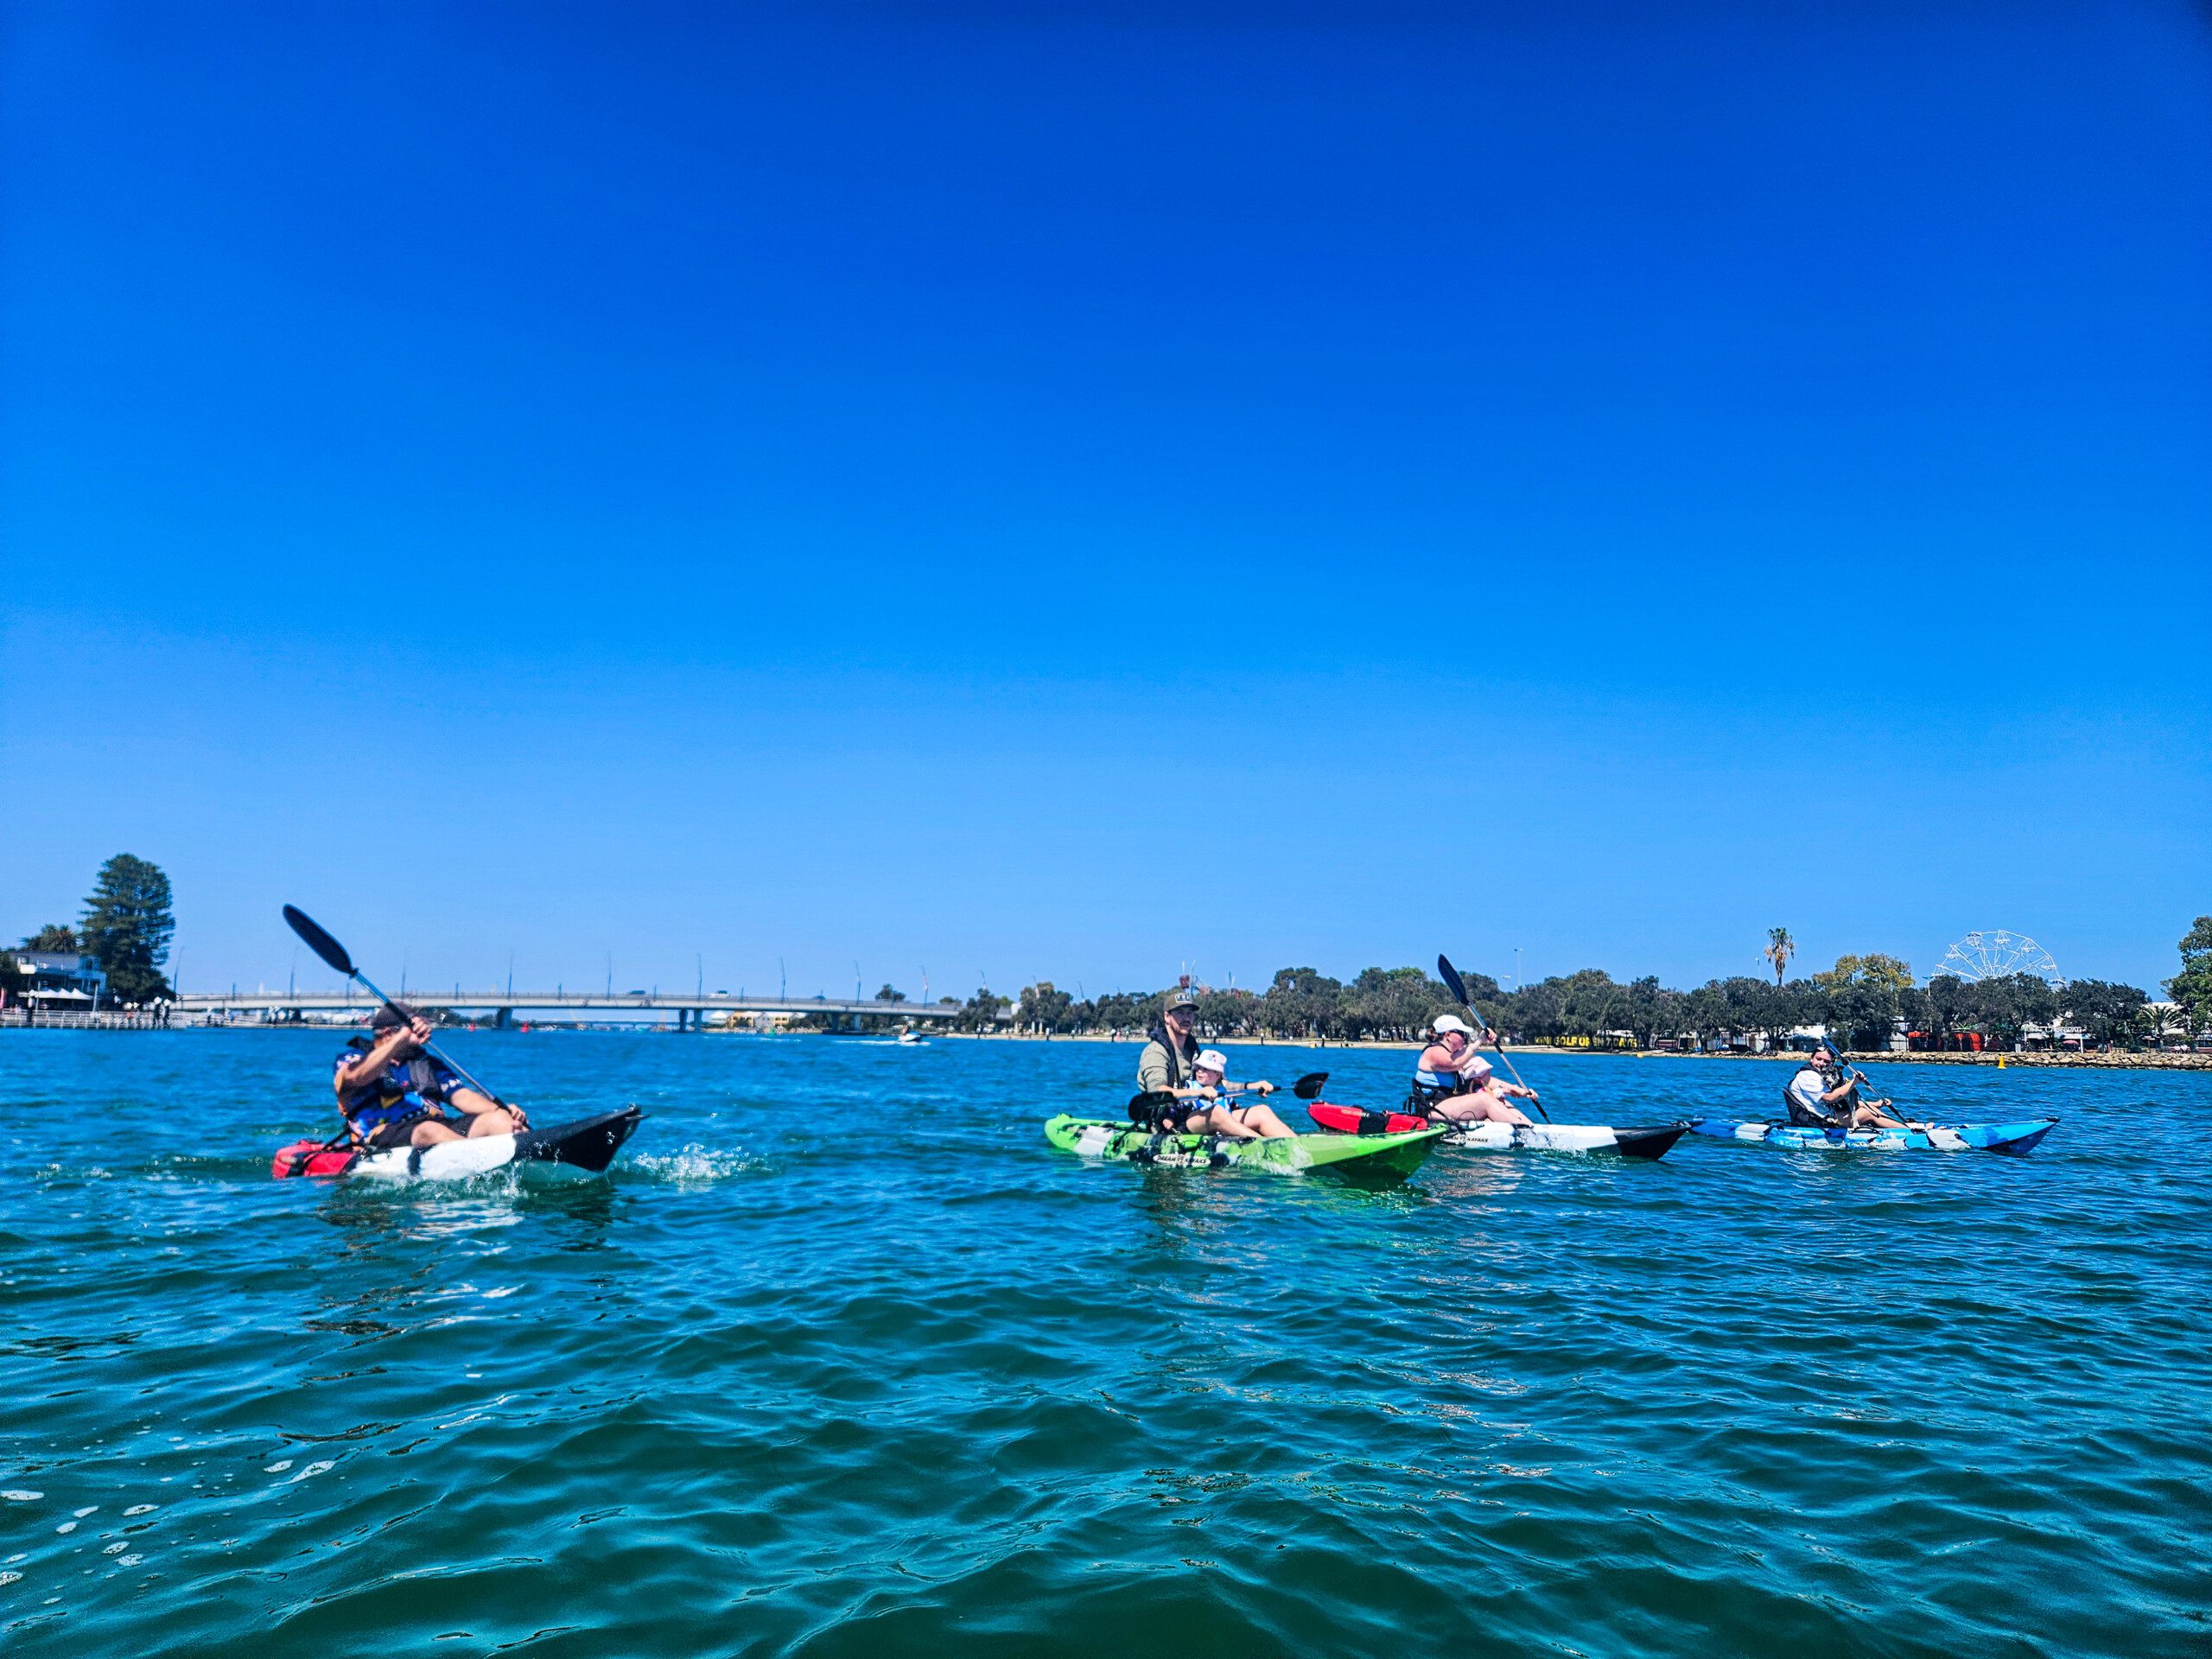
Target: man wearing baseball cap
(390,1090)
(1170,1066)
(1453,1083)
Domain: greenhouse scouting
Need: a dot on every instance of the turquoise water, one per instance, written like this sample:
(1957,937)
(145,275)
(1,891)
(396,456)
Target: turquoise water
(843,1359)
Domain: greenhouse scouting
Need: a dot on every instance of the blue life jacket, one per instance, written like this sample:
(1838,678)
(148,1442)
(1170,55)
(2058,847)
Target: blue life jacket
(405,1087)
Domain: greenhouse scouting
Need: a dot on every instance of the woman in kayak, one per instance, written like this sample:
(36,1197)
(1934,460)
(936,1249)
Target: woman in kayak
(1820,1097)
(390,1089)
(1453,1083)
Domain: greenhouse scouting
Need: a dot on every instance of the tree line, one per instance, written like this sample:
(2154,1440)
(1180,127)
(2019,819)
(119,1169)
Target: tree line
(1860,1000)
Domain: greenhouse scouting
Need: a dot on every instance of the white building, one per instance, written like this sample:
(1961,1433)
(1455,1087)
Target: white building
(60,979)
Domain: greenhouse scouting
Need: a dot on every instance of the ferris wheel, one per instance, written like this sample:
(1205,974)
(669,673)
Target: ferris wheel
(1994,955)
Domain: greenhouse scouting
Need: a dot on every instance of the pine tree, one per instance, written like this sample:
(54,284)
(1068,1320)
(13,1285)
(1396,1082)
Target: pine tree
(127,926)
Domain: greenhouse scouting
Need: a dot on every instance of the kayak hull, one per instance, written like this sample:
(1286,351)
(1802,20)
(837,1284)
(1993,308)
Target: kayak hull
(2011,1140)
(1653,1142)
(1105,1138)
(588,1144)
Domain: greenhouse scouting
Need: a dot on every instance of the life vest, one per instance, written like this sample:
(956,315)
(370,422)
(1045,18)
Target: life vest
(404,1087)
(1180,1071)
(1430,1087)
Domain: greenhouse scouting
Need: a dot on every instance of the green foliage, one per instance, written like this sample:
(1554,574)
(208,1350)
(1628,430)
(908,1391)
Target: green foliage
(2192,987)
(1044,1008)
(1884,972)
(127,926)
(890,994)
(54,936)
(1780,947)
(1302,1003)
(2106,1013)
(1395,1002)
(981,1011)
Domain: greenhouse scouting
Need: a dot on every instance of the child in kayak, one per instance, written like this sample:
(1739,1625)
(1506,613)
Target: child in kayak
(1257,1122)
(390,1089)
(1820,1097)
(1453,1083)
(1169,1067)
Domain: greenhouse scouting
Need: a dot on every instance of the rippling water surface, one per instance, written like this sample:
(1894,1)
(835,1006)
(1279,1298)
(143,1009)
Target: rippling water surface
(844,1358)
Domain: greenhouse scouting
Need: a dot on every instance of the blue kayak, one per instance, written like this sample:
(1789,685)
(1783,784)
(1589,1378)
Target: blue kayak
(2014,1139)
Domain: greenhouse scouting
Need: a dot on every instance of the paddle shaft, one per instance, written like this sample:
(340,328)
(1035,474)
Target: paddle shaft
(1497,1045)
(459,1070)
(1457,988)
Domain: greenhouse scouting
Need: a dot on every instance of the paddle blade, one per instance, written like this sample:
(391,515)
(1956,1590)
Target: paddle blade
(318,941)
(1142,1106)
(1309,1086)
(1452,983)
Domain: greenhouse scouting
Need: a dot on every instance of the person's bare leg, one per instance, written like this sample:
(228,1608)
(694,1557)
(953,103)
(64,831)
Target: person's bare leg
(1263,1119)
(429,1134)
(495,1121)
(1493,1107)
(1222,1121)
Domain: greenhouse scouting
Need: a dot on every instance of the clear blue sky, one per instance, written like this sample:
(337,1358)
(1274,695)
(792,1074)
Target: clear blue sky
(1067,491)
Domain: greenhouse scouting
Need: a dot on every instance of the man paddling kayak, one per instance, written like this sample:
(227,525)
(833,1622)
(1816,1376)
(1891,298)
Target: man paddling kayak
(1820,1096)
(390,1090)
(1171,1065)
(1453,1083)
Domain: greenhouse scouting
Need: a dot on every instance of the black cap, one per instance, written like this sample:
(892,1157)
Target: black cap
(393,1015)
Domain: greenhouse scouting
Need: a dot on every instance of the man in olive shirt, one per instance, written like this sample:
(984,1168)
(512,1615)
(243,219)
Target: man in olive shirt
(1171,1064)
(1171,1049)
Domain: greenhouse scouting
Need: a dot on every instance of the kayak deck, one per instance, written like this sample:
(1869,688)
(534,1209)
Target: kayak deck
(2012,1140)
(1109,1138)
(1650,1142)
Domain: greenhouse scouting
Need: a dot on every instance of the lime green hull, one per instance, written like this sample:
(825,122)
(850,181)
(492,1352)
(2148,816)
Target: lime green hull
(1102,1138)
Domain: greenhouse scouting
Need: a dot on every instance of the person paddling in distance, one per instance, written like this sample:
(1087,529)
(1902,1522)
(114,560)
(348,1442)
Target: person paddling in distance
(1819,1095)
(1452,1081)
(390,1089)
(1170,1064)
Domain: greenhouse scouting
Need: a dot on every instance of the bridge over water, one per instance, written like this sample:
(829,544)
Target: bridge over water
(499,1007)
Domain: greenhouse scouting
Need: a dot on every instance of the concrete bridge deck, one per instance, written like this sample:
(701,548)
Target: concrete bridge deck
(689,1008)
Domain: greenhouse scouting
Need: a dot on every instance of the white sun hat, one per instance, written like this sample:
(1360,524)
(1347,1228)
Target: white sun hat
(1213,1060)
(1451,1022)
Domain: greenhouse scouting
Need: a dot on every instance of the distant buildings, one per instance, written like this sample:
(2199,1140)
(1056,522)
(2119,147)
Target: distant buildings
(61,980)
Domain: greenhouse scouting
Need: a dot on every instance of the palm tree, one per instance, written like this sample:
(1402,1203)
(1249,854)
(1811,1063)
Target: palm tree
(1780,947)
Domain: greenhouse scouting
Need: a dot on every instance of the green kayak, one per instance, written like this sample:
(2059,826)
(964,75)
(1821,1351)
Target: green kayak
(1098,1137)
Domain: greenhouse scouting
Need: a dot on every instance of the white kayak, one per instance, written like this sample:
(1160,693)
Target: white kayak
(1651,1142)
(588,1144)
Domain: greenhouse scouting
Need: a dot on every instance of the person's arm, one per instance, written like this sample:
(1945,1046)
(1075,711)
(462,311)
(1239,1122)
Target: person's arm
(1258,1086)
(1840,1092)
(1154,1075)
(356,1074)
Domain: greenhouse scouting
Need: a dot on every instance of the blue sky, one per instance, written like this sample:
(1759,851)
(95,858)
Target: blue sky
(1070,491)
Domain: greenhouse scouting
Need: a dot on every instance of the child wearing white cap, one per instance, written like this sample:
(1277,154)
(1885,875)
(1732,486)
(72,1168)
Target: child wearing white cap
(1254,1123)
(1452,1081)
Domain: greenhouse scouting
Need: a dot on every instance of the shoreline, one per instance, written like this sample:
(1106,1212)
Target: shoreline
(2118,1060)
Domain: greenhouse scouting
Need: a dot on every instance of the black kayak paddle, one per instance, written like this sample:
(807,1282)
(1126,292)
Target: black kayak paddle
(1457,986)
(335,955)
(1148,1103)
